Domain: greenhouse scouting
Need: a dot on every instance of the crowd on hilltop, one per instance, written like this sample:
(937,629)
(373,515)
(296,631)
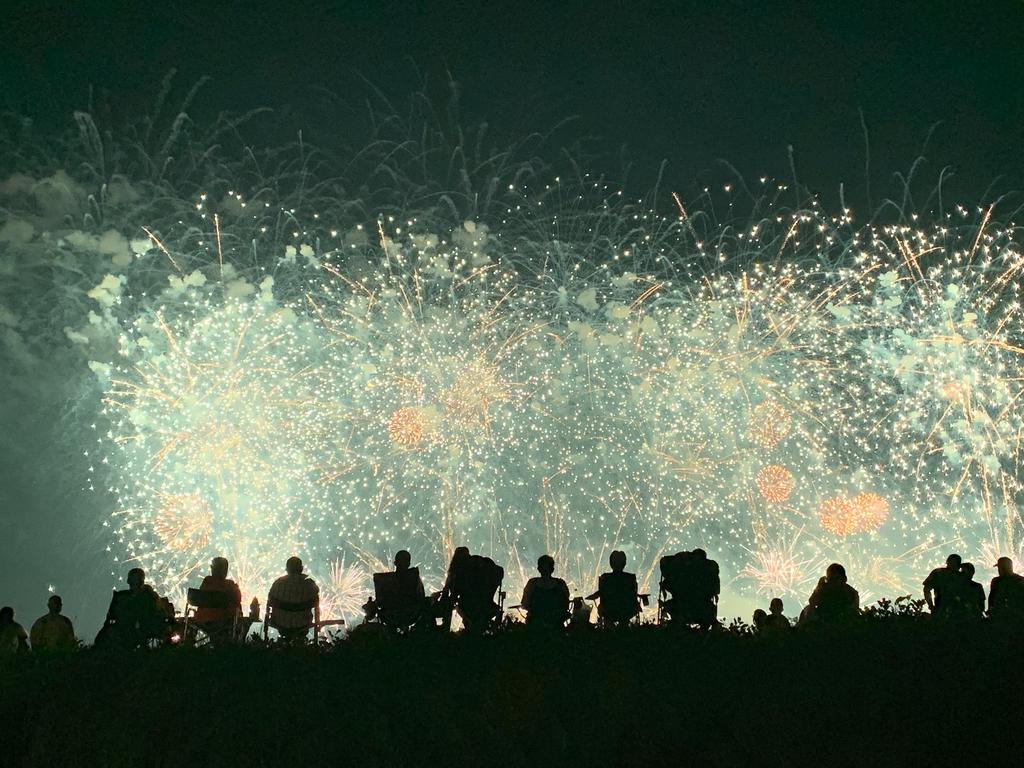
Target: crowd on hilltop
(689,591)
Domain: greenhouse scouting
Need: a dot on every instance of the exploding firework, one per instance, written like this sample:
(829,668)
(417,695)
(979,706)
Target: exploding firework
(444,389)
(775,483)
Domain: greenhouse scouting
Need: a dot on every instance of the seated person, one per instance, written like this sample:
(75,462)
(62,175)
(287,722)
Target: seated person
(445,599)
(618,592)
(833,599)
(693,582)
(293,589)
(12,635)
(478,579)
(400,601)
(219,621)
(546,598)
(53,632)
(136,615)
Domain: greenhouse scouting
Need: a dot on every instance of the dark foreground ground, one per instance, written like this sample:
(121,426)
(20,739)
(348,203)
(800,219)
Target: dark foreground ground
(883,692)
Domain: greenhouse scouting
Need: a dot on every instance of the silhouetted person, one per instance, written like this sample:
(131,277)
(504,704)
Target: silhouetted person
(446,598)
(944,587)
(136,615)
(53,632)
(546,598)
(618,592)
(776,622)
(400,603)
(759,620)
(694,585)
(12,635)
(219,622)
(477,580)
(972,602)
(1006,593)
(834,600)
(288,592)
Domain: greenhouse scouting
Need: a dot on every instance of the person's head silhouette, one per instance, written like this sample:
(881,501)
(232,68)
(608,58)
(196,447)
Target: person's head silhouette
(836,574)
(293,566)
(953,562)
(6,616)
(219,567)
(1004,566)
(967,569)
(546,565)
(402,560)
(55,605)
(775,606)
(759,617)
(699,555)
(617,560)
(136,578)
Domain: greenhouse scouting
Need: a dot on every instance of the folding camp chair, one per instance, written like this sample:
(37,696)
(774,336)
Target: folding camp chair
(309,606)
(211,600)
(399,604)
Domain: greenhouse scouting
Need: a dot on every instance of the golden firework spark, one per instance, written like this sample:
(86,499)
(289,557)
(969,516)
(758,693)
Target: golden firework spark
(775,483)
(770,423)
(183,522)
(407,427)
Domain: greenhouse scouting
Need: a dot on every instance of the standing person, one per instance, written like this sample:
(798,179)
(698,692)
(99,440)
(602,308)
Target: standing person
(294,588)
(834,599)
(546,597)
(53,632)
(944,586)
(12,635)
(1006,593)
(776,622)
(972,603)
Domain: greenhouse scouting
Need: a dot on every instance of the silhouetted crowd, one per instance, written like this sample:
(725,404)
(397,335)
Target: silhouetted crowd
(689,591)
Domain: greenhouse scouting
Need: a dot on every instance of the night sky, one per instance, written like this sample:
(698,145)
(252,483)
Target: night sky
(684,82)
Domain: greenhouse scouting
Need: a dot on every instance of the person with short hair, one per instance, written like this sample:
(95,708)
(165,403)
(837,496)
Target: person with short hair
(219,620)
(295,587)
(1006,593)
(617,591)
(944,587)
(12,635)
(834,600)
(972,602)
(136,615)
(53,632)
(775,621)
(546,597)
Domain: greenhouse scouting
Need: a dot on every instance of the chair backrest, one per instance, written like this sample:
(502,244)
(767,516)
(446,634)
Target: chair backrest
(676,572)
(548,606)
(213,599)
(481,578)
(397,591)
(273,604)
(619,600)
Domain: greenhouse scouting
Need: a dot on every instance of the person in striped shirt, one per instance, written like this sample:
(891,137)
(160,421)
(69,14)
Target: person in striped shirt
(294,587)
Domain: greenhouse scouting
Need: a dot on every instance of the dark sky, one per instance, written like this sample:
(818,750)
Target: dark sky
(685,81)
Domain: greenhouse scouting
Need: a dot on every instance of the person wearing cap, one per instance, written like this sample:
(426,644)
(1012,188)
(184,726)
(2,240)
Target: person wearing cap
(1006,592)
